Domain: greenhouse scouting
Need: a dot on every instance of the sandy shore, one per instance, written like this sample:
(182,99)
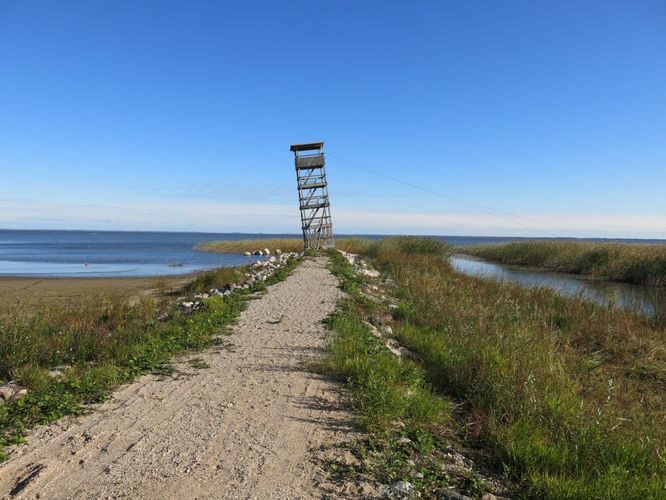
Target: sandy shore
(36,292)
(246,426)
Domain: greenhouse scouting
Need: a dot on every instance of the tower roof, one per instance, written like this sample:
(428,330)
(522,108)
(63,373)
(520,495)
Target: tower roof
(308,146)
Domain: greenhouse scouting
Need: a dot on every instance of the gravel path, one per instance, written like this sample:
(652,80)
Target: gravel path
(244,427)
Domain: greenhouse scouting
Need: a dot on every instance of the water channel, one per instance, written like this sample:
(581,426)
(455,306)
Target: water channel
(643,299)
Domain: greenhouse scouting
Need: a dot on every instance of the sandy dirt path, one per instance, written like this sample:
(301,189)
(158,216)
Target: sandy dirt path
(244,427)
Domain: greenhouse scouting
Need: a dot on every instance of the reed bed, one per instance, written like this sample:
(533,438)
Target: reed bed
(643,264)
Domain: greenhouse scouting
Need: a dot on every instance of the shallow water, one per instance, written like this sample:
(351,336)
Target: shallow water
(643,299)
(75,254)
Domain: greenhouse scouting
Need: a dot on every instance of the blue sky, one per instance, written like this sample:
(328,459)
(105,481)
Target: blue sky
(514,117)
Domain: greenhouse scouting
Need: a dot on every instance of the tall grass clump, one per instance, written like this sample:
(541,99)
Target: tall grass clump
(643,264)
(569,397)
(408,245)
(385,390)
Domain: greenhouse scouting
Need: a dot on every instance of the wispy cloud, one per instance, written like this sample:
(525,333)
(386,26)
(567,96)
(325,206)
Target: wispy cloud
(209,215)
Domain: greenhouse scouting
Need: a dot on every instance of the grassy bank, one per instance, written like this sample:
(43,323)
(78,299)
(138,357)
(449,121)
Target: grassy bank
(566,397)
(285,244)
(643,264)
(100,343)
(406,419)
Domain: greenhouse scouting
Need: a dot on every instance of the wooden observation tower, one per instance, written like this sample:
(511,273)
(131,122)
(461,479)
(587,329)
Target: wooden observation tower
(313,195)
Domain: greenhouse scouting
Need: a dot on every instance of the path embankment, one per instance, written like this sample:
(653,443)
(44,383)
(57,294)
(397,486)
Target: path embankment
(244,426)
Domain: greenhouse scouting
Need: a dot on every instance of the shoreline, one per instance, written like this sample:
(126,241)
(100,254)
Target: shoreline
(36,292)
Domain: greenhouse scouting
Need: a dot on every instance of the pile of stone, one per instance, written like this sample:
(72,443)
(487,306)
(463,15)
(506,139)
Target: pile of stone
(263,252)
(11,391)
(258,272)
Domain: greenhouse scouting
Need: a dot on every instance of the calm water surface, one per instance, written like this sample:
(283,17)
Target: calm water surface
(116,254)
(643,299)
(110,254)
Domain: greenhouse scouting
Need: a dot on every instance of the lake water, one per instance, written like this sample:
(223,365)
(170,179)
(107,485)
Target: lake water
(109,254)
(117,254)
(643,299)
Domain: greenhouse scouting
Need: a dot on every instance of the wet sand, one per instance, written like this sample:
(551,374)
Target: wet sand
(33,293)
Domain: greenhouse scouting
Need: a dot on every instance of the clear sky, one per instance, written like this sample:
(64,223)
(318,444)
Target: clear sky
(525,117)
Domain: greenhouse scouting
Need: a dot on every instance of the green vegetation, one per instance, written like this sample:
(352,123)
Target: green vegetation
(405,418)
(103,342)
(353,245)
(215,278)
(643,264)
(567,397)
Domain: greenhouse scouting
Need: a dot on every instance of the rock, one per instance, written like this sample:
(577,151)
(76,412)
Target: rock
(401,489)
(257,252)
(58,371)
(278,251)
(393,346)
(374,332)
(488,496)
(19,391)
(405,353)
(417,475)
(404,440)
(453,495)
(267,251)
(376,319)
(247,254)
(6,393)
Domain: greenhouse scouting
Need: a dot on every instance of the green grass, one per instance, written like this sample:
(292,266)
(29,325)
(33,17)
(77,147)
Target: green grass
(105,341)
(215,278)
(567,397)
(643,264)
(406,420)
